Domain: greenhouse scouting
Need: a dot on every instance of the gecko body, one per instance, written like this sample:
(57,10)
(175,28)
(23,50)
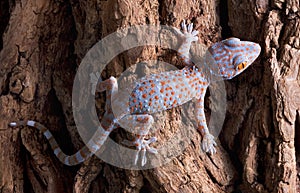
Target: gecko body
(166,90)
(160,92)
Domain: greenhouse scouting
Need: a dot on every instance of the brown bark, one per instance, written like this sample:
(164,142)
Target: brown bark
(43,43)
(265,119)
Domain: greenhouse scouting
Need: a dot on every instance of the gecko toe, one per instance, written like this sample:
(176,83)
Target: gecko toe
(190,28)
(195,32)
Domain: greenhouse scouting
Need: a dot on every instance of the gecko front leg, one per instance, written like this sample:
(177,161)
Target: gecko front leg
(208,142)
(187,36)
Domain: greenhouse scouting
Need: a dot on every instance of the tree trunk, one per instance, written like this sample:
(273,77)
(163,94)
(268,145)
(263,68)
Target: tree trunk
(43,44)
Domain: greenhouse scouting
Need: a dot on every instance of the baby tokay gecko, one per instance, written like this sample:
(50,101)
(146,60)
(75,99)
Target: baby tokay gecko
(163,91)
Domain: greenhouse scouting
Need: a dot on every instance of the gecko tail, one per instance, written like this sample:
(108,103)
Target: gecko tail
(80,156)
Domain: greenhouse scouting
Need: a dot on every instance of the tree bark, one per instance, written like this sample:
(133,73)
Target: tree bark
(264,122)
(43,43)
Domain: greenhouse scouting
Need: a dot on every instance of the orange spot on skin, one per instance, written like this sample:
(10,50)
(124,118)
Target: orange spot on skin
(180,95)
(217,58)
(152,85)
(144,96)
(163,83)
(82,153)
(150,103)
(172,93)
(133,95)
(152,92)
(162,90)
(167,94)
(165,99)
(247,49)
(141,88)
(156,97)
(177,86)
(150,81)
(171,98)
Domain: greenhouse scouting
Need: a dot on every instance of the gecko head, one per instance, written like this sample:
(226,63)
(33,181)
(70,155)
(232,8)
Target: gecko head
(232,56)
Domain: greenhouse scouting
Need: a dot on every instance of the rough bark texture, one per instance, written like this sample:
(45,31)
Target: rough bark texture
(43,43)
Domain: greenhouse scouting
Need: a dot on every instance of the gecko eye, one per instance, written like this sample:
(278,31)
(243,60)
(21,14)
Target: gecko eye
(241,66)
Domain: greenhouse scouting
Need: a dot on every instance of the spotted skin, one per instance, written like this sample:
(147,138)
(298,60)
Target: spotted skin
(233,56)
(160,92)
(166,90)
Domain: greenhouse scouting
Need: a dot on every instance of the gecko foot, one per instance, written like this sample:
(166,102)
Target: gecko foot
(208,144)
(143,146)
(187,33)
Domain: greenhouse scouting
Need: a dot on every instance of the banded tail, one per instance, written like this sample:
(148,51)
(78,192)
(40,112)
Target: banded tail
(80,156)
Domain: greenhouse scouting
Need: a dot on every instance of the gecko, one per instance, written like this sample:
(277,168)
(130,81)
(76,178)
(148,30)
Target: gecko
(159,92)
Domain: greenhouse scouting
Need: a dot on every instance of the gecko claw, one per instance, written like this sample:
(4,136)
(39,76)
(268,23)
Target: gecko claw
(183,26)
(144,158)
(190,28)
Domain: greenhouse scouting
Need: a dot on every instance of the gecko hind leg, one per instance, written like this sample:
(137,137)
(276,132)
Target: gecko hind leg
(140,125)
